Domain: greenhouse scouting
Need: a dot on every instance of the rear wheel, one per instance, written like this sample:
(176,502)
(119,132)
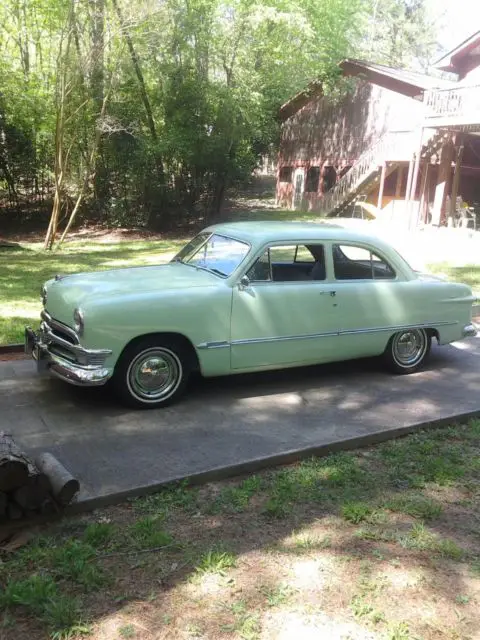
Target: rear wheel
(152,373)
(407,350)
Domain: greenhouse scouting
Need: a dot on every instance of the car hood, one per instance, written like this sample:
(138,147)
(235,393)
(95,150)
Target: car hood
(65,293)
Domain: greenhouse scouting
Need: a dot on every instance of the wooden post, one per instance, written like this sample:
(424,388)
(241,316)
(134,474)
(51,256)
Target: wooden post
(416,168)
(398,186)
(382,185)
(422,210)
(456,180)
(413,186)
(409,180)
(441,189)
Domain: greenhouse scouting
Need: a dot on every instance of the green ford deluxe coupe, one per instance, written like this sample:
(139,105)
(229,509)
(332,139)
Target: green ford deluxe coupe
(246,296)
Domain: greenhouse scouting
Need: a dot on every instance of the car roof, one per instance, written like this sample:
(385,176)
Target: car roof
(266,231)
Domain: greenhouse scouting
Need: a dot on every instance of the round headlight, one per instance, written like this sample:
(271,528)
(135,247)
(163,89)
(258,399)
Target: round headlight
(79,321)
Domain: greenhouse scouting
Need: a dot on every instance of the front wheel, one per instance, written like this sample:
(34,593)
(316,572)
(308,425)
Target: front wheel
(152,374)
(407,350)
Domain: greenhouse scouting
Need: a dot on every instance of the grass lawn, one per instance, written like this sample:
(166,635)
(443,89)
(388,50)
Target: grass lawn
(469,274)
(375,544)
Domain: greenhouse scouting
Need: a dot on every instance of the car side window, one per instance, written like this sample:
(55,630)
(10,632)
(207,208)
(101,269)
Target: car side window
(289,263)
(358,263)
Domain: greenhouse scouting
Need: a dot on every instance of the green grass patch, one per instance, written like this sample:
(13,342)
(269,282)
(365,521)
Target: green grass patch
(356,512)
(33,592)
(99,534)
(424,457)
(246,626)
(422,539)
(146,533)
(415,505)
(75,560)
(175,496)
(468,274)
(277,595)
(235,499)
(63,615)
(398,631)
(216,562)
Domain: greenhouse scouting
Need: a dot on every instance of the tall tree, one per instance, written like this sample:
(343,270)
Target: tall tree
(402,33)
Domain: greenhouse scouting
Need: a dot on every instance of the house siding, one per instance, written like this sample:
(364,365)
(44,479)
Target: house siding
(328,133)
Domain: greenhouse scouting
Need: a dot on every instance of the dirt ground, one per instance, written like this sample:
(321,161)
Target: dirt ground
(376,544)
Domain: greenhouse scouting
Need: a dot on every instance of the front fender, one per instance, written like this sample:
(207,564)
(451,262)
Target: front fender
(202,315)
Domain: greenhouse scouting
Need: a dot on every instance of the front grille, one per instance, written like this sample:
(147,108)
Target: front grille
(63,335)
(62,341)
(62,352)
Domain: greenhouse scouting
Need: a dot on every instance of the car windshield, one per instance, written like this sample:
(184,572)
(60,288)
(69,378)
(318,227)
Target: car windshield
(218,254)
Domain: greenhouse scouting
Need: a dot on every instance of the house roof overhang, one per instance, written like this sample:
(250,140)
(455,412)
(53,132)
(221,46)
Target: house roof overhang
(299,100)
(462,59)
(408,83)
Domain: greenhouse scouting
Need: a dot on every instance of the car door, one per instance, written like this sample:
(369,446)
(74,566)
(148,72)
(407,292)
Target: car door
(372,299)
(287,313)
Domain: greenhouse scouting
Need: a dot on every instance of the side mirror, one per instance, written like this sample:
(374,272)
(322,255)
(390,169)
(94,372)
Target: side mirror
(244,283)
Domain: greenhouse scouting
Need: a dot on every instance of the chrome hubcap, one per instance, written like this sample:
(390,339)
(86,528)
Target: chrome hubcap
(409,347)
(154,374)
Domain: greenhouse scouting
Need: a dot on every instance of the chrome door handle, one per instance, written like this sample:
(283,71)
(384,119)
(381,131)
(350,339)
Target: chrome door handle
(332,293)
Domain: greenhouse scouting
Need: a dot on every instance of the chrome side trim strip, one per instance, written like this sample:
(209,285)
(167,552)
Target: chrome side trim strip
(213,345)
(309,336)
(425,325)
(328,334)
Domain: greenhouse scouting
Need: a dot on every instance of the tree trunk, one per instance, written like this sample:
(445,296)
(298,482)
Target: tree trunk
(160,195)
(60,158)
(98,90)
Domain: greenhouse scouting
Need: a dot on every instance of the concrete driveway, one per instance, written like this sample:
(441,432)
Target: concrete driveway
(229,422)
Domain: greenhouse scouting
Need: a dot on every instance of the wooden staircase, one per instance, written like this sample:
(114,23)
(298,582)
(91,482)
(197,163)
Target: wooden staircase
(393,147)
(364,175)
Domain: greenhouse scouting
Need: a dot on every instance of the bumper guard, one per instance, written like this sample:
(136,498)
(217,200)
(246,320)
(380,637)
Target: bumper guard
(91,375)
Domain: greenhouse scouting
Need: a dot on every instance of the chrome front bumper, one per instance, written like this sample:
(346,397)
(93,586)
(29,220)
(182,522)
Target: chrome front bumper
(66,358)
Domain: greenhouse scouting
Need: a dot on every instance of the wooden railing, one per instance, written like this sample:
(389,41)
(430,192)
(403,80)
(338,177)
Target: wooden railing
(461,102)
(393,145)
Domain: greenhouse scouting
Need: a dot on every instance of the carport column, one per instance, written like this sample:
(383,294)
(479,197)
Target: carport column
(456,181)
(413,186)
(409,180)
(441,189)
(398,186)
(424,194)
(382,185)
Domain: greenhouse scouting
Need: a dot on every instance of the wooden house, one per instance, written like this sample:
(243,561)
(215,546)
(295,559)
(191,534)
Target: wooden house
(405,141)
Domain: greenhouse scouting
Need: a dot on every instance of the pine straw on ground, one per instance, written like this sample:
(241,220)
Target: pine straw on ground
(380,543)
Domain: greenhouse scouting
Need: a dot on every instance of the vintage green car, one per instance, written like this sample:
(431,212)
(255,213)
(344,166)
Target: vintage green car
(241,297)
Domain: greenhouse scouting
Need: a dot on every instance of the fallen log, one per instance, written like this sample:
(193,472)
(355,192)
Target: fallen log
(64,485)
(14,465)
(35,493)
(14,512)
